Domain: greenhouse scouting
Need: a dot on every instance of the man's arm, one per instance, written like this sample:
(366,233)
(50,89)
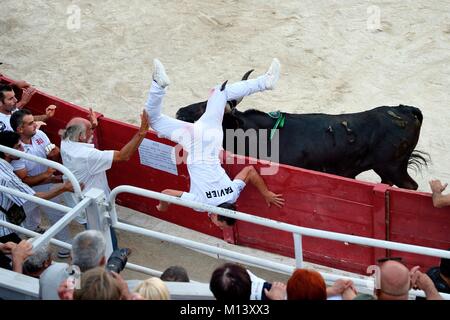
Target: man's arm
(49,112)
(56,191)
(27,93)
(164,205)
(422,281)
(42,178)
(439,200)
(127,151)
(249,174)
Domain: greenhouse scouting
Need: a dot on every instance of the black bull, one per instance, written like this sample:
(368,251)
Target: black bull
(382,139)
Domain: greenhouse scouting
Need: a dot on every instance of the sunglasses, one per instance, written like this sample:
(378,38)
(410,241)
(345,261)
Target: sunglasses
(381,260)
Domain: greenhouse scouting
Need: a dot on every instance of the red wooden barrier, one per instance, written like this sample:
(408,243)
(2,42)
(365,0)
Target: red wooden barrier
(414,220)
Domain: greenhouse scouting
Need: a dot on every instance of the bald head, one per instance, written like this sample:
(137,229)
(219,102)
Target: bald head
(395,281)
(78,130)
(78,121)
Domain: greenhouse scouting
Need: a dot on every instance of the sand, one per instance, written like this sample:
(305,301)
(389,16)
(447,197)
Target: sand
(335,56)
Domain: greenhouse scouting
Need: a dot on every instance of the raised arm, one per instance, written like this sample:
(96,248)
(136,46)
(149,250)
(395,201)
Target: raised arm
(249,174)
(127,151)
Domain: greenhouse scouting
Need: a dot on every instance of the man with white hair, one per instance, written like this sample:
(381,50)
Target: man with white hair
(88,164)
(88,251)
(36,264)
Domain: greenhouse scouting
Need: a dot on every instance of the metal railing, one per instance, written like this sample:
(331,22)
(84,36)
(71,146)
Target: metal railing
(295,230)
(49,163)
(93,203)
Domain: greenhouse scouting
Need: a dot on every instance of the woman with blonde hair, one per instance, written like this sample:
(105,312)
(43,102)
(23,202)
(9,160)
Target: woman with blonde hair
(153,289)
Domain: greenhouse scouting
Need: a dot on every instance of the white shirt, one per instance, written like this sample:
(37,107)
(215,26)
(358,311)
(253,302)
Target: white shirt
(88,164)
(209,182)
(37,148)
(11,181)
(5,125)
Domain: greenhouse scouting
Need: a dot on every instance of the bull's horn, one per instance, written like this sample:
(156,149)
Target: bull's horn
(247,74)
(223,86)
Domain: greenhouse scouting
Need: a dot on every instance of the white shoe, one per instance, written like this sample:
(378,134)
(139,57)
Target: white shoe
(159,74)
(273,74)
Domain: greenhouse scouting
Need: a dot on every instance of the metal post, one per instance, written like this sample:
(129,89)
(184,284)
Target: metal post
(60,224)
(96,216)
(298,249)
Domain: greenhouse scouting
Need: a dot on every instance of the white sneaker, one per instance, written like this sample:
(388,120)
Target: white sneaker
(159,74)
(273,74)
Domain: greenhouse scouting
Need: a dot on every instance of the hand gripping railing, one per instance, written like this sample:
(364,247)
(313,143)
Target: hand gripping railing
(49,163)
(296,230)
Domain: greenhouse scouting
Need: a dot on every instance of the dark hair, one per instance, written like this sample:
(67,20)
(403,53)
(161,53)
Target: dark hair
(231,282)
(229,221)
(175,273)
(17,118)
(8,139)
(445,267)
(4,88)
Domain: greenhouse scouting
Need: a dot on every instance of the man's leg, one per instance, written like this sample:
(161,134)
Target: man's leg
(217,100)
(245,88)
(165,126)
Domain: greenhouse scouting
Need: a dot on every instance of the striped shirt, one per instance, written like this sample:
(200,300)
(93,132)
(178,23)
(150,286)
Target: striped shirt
(9,180)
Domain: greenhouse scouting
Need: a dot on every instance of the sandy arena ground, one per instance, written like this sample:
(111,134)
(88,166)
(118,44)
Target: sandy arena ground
(337,56)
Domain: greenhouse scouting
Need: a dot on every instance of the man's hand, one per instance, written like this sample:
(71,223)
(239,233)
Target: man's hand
(421,281)
(66,289)
(68,187)
(21,84)
(92,119)
(6,248)
(50,111)
(437,187)
(272,198)
(39,124)
(144,123)
(26,96)
(339,286)
(123,286)
(276,292)
(20,252)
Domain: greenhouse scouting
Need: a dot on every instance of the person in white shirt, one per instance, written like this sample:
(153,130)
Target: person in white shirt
(9,104)
(9,179)
(38,176)
(203,141)
(88,164)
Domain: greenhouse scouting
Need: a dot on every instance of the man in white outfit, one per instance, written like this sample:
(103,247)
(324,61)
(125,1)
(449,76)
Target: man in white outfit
(203,141)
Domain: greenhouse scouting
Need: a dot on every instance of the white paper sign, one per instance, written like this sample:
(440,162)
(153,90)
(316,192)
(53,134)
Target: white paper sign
(158,155)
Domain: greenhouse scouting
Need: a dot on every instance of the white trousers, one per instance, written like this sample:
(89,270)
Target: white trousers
(175,129)
(33,218)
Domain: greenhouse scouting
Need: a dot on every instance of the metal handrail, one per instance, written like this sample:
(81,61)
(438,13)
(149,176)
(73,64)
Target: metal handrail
(275,224)
(262,221)
(49,163)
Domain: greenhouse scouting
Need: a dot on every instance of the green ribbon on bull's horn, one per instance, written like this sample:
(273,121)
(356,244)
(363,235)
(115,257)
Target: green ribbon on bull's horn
(281,117)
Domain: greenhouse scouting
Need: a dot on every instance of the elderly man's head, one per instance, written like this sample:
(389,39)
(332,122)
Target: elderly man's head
(88,250)
(395,281)
(78,130)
